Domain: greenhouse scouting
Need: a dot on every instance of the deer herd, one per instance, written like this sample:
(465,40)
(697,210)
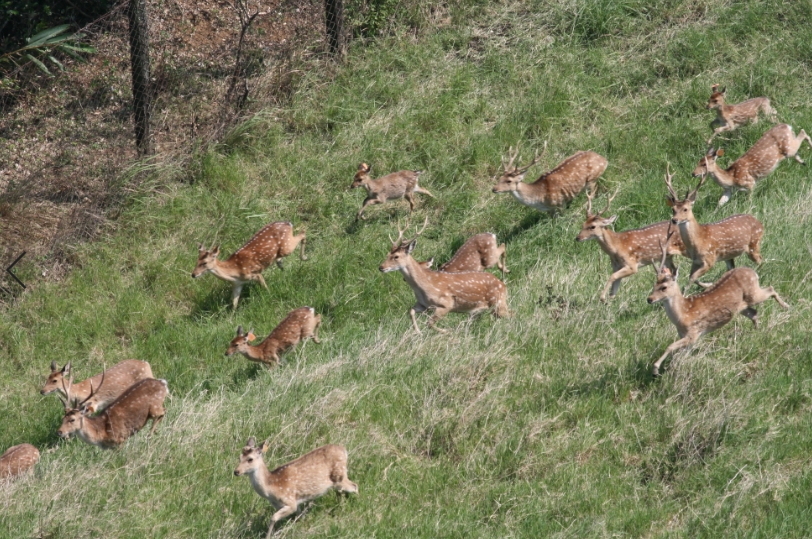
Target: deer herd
(106,409)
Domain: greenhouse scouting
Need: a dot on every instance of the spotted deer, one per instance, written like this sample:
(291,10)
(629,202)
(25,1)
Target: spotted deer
(479,253)
(402,184)
(737,291)
(556,188)
(124,417)
(627,250)
(758,162)
(467,292)
(269,245)
(300,324)
(707,244)
(309,477)
(17,460)
(117,378)
(730,117)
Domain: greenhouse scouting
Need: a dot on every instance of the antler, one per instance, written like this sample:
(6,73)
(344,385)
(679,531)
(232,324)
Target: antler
(79,406)
(664,248)
(608,202)
(692,194)
(512,156)
(66,400)
(589,196)
(536,159)
(668,177)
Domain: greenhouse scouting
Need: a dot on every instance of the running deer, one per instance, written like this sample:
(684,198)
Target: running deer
(306,478)
(479,253)
(17,460)
(269,245)
(707,244)
(468,292)
(117,379)
(758,162)
(556,188)
(737,291)
(390,187)
(730,117)
(627,250)
(124,417)
(300,324)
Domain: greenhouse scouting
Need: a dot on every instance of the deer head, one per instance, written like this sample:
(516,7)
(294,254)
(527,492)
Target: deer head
(717,98)
(55,379)
(361,176)
(251,458)
(595,222)
(206,260)
(681,210)
(401,251)
(241,342)
(708,162)
(513,175)
(666,285)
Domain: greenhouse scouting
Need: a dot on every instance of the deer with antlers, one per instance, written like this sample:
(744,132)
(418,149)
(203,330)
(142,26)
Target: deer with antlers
(17,460)
(467,292)
(737,291)
(556,188)
(730,117)
(300,324)
(269,245)
(401,184)
(707,244)
(117,378)
(627,250)
(309,477)
(758,162)
(479,253)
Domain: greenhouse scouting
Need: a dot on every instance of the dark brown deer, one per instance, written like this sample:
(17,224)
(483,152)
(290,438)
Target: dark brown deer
(730,117)
(390,187)
(117,379)
(17,460)
(479,253)
(300,324)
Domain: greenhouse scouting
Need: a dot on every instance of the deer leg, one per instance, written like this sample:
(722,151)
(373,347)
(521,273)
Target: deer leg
(367,202)
(302,247)
(261,280)
(730,264)
(803,136)
(316,331)
(614,281)
(501,262)
(697,271)
(155,420)
(684,342)
(752,314)
(410,198)
(760,295)
(418,308)
(725,197)
(286,511)
(755,251)
(439,312)
(235,294)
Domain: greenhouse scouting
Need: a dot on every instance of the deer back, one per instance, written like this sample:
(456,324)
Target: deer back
(730,237)
(765,155)
(476,254)
(263,248)
(567,180)
(716,306)
(117,379)
(298,324)
(130,412)
(17,460)
(643,244)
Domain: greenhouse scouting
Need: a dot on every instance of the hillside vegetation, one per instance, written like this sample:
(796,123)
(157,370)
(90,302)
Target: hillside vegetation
(546,424)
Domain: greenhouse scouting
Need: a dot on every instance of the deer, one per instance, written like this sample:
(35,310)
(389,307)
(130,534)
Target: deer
(401,184)
(556,188)
(627,250)
(758,162)
(309,477)
(118,378)
(479,253)
(299,324)
(18,460)
(124,417)
(269,245)
(467,292)
(709,243)
(730,117)
(737,291)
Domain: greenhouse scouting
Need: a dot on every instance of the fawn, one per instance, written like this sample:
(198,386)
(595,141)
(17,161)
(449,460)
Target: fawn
(300,324)
(17,460)
(117,379)
(730,117)
(402,184)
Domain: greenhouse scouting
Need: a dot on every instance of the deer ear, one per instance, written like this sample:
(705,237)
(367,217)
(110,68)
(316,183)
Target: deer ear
(611,220)
(251,336)
(669,201)
(720,152)
(410,246)
(711,152)
(714,87)
(66,369)
(252,442)
(215,250)
(53,366)
(722,91)
(239,331)
(430,262)
(363,167)
(200,247)
(265,446)
(676,274)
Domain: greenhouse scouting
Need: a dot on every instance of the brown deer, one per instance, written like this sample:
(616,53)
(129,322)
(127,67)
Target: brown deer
(300,324)
(556,188)
(17,460)
(758,162)
(390,187)
(479,253)
(309,477)
(730,117)
(707,244)
(117,379)
(627,250)
(737,291)
(468,292)
(124,417)
(269,245)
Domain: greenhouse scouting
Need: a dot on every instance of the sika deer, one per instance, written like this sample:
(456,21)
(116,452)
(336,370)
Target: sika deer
(269,245)
(707,244)
(301,480)
(479,253)
(17,460)
(553,189)
(390,187)
(468,292)
(758,162)
(117,379)
(627,250)
(737,291)
(730,117)
(300,324)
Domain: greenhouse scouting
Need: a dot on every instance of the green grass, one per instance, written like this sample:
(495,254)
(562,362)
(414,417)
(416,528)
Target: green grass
(546,424)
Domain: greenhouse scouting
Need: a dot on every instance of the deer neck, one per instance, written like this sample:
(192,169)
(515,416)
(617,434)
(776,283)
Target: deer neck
(530,193)
(609,242)
(693,235)
(226,270)
(368,183)
(257,353)
(720,175)
(265,484)
(93,429)
(675,308)
(418,278)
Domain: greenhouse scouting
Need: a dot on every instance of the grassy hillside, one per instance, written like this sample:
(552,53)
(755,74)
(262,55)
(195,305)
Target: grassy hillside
(547,424)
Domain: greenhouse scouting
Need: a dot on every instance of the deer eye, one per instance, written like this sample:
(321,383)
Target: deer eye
(250,460)
(662,289)
(72,421)
(593,227)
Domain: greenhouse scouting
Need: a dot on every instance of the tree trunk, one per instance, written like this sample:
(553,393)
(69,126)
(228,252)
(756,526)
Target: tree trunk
(139,61)
(334,13)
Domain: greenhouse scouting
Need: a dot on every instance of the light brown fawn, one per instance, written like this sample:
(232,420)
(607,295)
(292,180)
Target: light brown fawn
(758,162)
(627,250)
(730,117)
(479,253)
(390,187)
(269,245)
(124,417)
(468,292)
(309,477)
(737,291)
(300,324)
(707,244)
(117,379)
(556,188)
(17,460)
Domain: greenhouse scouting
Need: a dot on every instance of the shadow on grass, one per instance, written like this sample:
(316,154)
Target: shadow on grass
(248,372)
(635,376)
(528,222)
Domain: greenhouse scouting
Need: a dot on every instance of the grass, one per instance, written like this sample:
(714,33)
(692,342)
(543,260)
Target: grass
(547,424)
